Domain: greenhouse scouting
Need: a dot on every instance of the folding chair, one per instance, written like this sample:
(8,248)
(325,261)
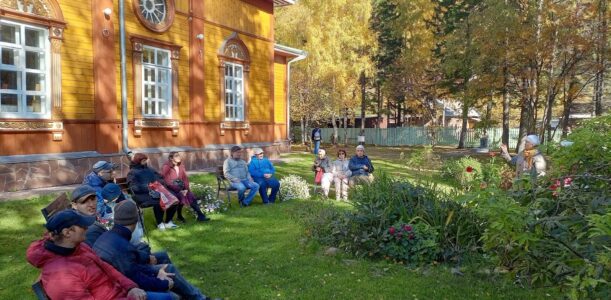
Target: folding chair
(224,184)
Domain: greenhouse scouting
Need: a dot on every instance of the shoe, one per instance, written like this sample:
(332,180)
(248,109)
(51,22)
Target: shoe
(181,219)
(202,218)
(170,225)
(161,226)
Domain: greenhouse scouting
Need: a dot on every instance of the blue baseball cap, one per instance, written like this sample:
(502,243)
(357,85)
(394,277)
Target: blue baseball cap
(111,191)
(82,192)
(68,218)
(103,165)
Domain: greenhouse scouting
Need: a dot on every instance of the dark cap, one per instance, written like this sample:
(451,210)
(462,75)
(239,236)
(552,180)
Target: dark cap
(103,165)
(235,149)
(111,191)
(68,218)
(126,213)
(82,192)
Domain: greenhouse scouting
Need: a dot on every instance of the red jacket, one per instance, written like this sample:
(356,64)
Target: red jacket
(81,275)
(169,175)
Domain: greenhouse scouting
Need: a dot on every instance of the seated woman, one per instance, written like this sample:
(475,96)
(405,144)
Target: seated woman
(139,177)
(341,176)
(175,176)
(322,164)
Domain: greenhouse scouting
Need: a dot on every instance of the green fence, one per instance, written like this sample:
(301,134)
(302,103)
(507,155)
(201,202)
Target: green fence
(414,136)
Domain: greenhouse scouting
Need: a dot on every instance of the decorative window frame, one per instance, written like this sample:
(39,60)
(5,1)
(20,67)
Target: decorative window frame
(46,14)
(233,50)
(140,121)
(161,27)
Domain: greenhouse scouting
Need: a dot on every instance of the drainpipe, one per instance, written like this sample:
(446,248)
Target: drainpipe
(288,91)
(123,77)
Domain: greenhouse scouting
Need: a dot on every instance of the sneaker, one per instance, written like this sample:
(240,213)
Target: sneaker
(161,226)
(170,225)
(203,218)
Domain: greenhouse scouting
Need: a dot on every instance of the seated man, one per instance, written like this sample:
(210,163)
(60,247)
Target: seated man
(84,202)
(262,172)
(101,174)
(235,170)
(361,167)
(114,247)
(71,270)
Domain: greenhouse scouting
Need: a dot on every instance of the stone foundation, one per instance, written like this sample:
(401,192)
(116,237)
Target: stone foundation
(29,174)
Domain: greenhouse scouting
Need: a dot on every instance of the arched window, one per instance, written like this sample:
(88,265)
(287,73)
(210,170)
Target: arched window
(234,64)
(31,34)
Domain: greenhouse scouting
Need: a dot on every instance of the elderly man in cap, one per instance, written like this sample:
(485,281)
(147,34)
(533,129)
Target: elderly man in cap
(114,247)
(235,170)
(528,161)
(101,174)
(360,167)
(71,270)
(262,172)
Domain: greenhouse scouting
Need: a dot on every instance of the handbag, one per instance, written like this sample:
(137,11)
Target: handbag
(166,199)
(318,177)
(179,183)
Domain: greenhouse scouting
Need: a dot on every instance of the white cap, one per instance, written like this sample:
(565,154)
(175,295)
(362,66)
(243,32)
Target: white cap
(533,139)
(257,151)
(360,147)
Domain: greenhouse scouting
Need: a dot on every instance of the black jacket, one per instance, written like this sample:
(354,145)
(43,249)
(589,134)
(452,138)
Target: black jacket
(139,177)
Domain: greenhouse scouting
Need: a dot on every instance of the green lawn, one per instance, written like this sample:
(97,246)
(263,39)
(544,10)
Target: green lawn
(259,253)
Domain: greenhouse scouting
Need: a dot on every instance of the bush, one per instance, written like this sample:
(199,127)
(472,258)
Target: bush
(462,172)
(390,201)
(415,243)
(207,198)
(293,187)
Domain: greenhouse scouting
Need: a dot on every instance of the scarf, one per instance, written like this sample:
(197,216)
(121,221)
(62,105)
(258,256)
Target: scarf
(528,160)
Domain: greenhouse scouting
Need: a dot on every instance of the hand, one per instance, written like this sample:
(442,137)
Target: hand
(136,294)
(170,283)
(184,192)
(267,176)
(318,169)
(163,275)
(504,148)
(365,168)
(152,260)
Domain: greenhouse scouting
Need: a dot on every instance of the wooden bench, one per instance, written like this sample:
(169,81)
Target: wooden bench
(60,203)
(224,184)
(122,182)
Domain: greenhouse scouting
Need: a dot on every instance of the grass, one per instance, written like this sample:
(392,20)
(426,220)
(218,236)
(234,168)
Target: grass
(260,253)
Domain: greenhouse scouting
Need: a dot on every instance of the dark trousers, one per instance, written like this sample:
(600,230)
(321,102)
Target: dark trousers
(169,213)
(181,286)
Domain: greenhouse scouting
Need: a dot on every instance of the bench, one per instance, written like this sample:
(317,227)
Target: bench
(39,291)
(224,184)
(60,203)
(122,182)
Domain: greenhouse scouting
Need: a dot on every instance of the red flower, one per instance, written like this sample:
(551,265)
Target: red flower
(391,230)
(399,235)
(568,181)
(469,169)
(492,154)
(411,236)
(553,187)
(407,228)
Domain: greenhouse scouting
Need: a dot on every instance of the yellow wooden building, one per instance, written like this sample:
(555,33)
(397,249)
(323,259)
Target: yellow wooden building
(197,76)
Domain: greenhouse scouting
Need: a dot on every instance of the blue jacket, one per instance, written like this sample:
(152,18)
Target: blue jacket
(97,183)
(258,167)
(114,248)
(356,165)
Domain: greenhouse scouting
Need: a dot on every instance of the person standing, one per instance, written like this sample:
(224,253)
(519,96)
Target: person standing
(262,172)
(529,161)
(316,138)
(235,170)
(341,175)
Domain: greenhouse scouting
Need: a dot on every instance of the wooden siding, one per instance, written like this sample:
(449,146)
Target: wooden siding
(77,61)
(239,15)
(177,34)
(259,84)
(280,89)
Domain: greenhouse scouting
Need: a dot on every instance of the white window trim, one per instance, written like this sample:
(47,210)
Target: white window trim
(169,84)
(46,106)
(234,91)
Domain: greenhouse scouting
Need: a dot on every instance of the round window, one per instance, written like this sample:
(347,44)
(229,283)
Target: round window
(156,15)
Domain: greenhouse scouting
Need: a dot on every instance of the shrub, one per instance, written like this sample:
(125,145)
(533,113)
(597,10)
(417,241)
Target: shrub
(207,198)
(410,243)
(422,158)
(462,172)
(293,187)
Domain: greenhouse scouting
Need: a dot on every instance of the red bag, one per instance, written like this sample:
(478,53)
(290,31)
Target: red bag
(318,177)
(166,198)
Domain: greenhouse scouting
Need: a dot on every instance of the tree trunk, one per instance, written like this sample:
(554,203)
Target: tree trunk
(399,116)
(600,57)
(334,137)
(303,130)
(363,81)
(551,93)
(345,127)
(465,121)
(506,108)
(524,114)
(380,100)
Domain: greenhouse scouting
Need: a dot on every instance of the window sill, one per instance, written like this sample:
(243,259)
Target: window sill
(55,127)
(235,125)
(141,124)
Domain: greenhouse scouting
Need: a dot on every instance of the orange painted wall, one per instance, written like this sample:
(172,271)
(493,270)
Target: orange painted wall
(280,89)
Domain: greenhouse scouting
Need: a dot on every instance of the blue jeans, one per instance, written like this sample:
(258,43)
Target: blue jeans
(242,186)
(316,147)
(264,183)
(158,296)
(181,286)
